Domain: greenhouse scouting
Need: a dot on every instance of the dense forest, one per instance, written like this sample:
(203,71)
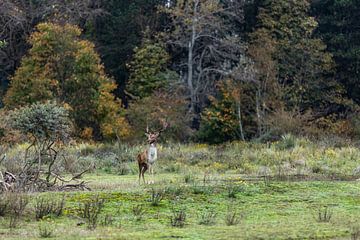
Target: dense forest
(216,71)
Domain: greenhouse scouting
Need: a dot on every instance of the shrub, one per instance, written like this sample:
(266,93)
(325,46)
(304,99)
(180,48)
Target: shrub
(18,203)
(178,218)
(156,196)
(207,218)
(232,217)
(91,209)
(288,141)
(232,190)
(45,206)
(189,178)
(138,212)
(43,121)
(46,230)
(107,220)
(4,204)
(325,214)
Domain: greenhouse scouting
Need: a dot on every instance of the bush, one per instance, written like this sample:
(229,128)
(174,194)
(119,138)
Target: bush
(18,203)
(288,141)
(156,196)
(4,204)
(91,209)
(46,230)
(43,121)
(324,214)
(138,211)
(207,218)
(45,206)
(283,122)
(107,220)
(232,217)
(178,218)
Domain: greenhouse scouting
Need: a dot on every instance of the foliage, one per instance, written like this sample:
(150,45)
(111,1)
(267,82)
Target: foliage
(166,105)
(148,69)
(156,197)
(339,29)
(282,122)
(46,206)
(178,218)
(205,45)
(62,67)
(42,122)
(324,214)
(232,217)
(46,229)
(120,30)
(18,203)
(4,204)
(138,211)
(304,66)
(2,43)
(220,122)
(207,217)
(8,135)
(91,209)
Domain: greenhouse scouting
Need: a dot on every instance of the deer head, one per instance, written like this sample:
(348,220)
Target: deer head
(153,136)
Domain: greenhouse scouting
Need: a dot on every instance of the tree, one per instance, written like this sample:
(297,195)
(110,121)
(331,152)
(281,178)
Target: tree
(221,121)
(120,30)
(45,125)
(264,87)
(148,69)
(304,67)
(339,27)
(208,48)
(162,105)
(18,19)
(62,67)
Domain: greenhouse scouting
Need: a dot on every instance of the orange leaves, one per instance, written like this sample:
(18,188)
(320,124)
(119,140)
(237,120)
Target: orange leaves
(62,67)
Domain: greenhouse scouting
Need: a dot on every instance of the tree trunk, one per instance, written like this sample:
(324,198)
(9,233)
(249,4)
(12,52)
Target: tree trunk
(258,114)
(240,122)
(190,63)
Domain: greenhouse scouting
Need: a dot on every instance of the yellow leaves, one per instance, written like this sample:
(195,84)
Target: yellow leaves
(87,133)
(119,128)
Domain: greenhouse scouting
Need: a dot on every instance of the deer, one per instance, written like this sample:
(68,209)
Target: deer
(148,157)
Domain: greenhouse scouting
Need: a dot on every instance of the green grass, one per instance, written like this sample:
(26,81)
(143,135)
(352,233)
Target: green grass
(201,179)
(276,210)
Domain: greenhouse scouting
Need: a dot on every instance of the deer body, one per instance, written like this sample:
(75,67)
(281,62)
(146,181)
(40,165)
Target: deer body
(146,159)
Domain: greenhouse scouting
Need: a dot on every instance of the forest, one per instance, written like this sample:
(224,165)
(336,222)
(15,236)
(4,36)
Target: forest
(250,109)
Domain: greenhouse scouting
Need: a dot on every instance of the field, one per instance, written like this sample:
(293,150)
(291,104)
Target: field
(292,189)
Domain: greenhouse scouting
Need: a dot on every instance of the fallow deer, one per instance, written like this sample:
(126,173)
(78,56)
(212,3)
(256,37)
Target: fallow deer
(147,158)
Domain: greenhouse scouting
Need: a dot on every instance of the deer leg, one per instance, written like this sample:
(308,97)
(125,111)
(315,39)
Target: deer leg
(152,174)
(143,170)
(143,176)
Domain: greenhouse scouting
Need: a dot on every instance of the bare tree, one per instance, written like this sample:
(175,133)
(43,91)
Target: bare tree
(209,49)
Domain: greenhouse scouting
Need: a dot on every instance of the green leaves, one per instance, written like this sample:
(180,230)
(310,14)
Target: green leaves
(148,69)
(43,121)
(62,67)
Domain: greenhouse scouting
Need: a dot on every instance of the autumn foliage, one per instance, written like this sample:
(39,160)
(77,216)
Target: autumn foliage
(61,66)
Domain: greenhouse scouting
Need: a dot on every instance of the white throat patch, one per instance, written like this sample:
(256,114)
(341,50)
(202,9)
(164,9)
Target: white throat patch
(152,154)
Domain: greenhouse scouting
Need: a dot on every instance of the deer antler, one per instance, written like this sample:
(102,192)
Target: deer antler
(147,130)
(165,125)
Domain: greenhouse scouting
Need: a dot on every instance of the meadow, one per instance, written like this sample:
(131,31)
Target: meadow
(290,189)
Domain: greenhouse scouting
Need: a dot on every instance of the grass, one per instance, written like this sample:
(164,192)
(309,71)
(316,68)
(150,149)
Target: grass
(277,191)
(280,210)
